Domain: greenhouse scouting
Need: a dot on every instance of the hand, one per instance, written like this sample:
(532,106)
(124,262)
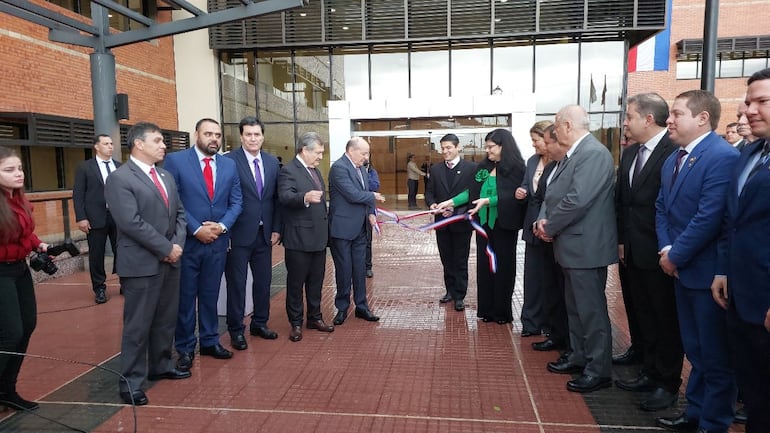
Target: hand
(208,232)
(719,290)
(622,253)
(767,320)
(480,203)
(540,231)
(444,205)
(372,220)
(84,226)
(43,247)
(313,196)
(379,197)
(174,255)
(667,265)
(275,237)
(521,193)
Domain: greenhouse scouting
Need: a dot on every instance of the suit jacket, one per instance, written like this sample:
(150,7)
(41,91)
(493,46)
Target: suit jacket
(227,202)
(534,200)
(88,193)
(744,253)
(689,212)
(147,229)
(635,206)
(255,209)
(579,206)
(305,228)
(350,202)
(444,184)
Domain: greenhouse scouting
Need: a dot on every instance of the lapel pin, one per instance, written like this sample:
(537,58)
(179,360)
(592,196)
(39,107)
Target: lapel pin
(691,161)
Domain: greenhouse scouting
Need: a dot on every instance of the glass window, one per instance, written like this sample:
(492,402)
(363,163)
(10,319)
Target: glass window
(356,69)
(73,156)
(430,74)
(237,85)
(45,175)
(753,65)
(311,85)
(601,64)
(470,71)
(731,68)
(390,75)
(687,70)
(276,102)
(556,77)
(513,69)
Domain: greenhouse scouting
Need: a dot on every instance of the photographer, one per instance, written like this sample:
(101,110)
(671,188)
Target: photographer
(18,309)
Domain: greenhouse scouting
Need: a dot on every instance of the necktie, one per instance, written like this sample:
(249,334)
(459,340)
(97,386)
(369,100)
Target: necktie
(316,180)
(679,156)
(159,186)
(361,177)
(107,164)
(258,177)
(449,165)
(763,157)
(208,177)
(640,160)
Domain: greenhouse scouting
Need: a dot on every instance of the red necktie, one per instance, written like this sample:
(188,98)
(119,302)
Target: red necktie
(159,186)
(208,177)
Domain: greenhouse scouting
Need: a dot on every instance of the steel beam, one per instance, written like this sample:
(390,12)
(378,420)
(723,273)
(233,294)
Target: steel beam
(183,4)
(71,37)
(42,12)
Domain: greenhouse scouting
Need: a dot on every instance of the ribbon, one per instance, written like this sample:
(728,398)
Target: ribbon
(476,227)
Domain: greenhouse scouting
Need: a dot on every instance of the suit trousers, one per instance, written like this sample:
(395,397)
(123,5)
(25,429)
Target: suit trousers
(304,270)
(711,389)
(454,249)
(350,269)
(258,256)
(369,236)
(651,293)
(589,323)
(202,268)
(18,318)
(750,346)
(97,241)
(495,291)
(532,311)
(554,306)
(628,303)
(411,186)
(149,319)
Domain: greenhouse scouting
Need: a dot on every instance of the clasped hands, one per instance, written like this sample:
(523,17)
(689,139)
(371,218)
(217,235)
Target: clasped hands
(208,232)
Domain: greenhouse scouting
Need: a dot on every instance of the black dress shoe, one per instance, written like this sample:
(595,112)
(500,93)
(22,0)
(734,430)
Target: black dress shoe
(296,333)
(659,399)
(100,296)
(740,416)
(14,401)
(239,342)
(630,357)
(641,383)
(366,315)
(263,332)
(459,305)
(680,423)
(547,345)
(170,375)
(445,299)
(137,399)
(339,318)
(526,333)
(564,366)
(587,383)
(369,273)
(217,351)
(319,325)
(185,361)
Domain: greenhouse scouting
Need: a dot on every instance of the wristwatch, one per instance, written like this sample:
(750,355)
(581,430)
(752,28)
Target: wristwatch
(224,228)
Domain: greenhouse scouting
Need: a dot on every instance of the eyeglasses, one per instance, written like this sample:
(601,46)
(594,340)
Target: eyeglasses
(490,146)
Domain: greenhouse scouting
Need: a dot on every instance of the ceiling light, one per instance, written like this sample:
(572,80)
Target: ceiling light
(345,28)
(332,10)
(302,14)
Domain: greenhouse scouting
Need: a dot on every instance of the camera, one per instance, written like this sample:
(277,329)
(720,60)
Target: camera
(44,262)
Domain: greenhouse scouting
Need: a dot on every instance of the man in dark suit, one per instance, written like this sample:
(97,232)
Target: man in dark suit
(578,215)
(305,234)
(93,217)
(650,290)
(253,235)
(744,253)
(151,227)
(210,190)
(689,210)
(351,207)
(454,241)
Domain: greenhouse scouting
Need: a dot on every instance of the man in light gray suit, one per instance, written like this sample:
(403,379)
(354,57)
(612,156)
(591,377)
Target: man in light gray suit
(151,227)
(578,216)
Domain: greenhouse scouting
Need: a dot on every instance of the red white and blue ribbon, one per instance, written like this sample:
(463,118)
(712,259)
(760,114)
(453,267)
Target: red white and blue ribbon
(476,226)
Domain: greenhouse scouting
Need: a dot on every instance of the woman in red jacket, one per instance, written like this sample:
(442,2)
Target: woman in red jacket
(18,309)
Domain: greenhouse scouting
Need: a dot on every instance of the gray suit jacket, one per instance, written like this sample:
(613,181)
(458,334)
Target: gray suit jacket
(147,229)
(579,207)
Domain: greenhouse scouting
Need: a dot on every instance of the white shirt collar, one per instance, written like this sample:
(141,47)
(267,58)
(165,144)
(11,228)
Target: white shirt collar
(653,142)
(575,145)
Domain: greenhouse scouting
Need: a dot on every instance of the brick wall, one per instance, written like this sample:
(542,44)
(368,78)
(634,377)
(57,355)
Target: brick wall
(736,18)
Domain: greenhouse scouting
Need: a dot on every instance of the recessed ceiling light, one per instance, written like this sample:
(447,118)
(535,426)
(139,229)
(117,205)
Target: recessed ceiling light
(497,20)
(332,10)
(345,28)
(302,14)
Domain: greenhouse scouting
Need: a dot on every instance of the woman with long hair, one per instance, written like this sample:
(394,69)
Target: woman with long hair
(18,308)
(501,216)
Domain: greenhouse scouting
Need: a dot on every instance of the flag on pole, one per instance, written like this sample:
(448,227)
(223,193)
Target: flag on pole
(653,53)
(604,91)
(592,97)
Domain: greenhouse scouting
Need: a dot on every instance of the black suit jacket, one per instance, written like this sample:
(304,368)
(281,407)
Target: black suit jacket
(88,193)
(635,206)
(305,228)
(534,199)
(444,184)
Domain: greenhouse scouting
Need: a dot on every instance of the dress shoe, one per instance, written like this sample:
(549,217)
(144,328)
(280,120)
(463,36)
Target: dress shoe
(137,399)
(170,375)
(100,296)
(641,383)
(217,351)
(319,325)
(679,423)
(660,399)
(740,416)
(547,345)
(526,333)
(185,361)
(630,357)
(366,315)
(296,333)
(564,366)
(239,342)
(263,332)
(369,273)
(339,318)
(14,401)
(587,383)
(459,305)
(446,298)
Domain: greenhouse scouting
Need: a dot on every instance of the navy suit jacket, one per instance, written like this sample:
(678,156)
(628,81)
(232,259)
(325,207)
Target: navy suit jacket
(226,205)
(256,209)
(689,212)
(744,252)
(350,202)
